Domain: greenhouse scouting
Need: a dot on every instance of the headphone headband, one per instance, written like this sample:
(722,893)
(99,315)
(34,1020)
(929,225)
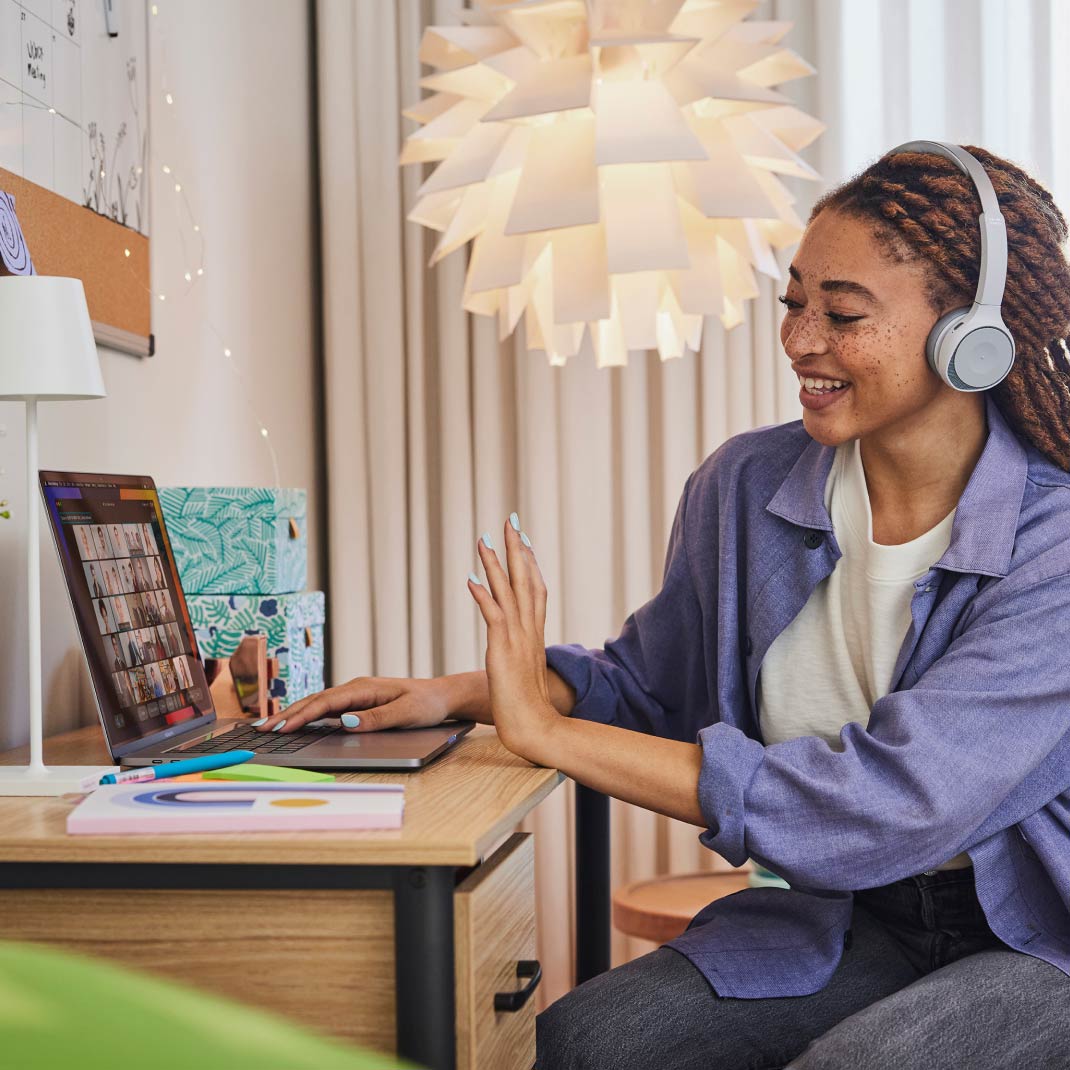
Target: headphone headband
(993,274)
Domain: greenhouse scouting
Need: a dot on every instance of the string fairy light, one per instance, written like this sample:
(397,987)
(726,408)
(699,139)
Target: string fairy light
(246,391)
(190,277)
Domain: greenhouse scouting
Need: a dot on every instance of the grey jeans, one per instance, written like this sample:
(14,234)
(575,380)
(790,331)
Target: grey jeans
(924,983)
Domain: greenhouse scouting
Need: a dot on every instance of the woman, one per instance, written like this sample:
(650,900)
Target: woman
(863,622)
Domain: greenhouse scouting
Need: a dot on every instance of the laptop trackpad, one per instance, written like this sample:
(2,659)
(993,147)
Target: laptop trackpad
(392,743)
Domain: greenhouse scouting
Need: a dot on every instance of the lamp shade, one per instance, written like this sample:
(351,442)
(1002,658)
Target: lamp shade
(615,164)
(46,340)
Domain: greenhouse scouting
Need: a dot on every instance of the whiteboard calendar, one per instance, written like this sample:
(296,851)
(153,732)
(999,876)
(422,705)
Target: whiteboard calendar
(74,104)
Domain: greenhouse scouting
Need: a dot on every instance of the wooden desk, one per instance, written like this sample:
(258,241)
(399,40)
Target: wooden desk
(397,940)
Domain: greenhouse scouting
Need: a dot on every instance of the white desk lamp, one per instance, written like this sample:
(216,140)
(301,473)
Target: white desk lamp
(47,352)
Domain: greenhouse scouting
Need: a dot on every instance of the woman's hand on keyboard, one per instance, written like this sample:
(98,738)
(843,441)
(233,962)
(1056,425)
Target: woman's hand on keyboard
(369,703)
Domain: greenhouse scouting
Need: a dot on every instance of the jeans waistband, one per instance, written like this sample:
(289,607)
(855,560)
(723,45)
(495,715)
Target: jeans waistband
(946,899)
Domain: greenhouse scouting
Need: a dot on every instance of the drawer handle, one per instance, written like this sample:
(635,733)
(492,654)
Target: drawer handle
(513,1001)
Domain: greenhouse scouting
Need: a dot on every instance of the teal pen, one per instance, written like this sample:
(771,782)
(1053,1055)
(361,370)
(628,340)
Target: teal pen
(180,768)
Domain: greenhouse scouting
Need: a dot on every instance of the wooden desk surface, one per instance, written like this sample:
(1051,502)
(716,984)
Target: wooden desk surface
(456,811)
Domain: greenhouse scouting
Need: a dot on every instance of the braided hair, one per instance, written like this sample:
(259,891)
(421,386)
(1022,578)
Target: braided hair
(922,208)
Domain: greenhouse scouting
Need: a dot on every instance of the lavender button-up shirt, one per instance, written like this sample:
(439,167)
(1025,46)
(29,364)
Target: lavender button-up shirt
(970,751)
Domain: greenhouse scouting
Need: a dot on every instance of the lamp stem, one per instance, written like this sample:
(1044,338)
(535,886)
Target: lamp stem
(33,579)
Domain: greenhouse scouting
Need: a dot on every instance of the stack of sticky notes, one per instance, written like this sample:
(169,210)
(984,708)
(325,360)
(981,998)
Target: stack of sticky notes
(250,772)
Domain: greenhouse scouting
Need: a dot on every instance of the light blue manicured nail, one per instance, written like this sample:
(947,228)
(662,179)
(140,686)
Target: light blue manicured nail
(526,541)
(475,579)
(350,720)
(486,541)
(515,521)
(257,724)
(278,726)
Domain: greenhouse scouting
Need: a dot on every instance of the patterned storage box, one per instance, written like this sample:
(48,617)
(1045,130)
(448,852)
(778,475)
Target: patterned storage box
(293,624)
(237,540)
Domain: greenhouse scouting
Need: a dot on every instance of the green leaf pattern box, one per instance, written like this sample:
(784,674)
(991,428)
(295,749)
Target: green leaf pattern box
(238,540)
(293,624)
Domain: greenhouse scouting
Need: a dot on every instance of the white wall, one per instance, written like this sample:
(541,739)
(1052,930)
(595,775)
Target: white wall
(239,136)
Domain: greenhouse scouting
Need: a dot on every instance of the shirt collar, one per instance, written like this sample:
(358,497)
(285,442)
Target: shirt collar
(986,518)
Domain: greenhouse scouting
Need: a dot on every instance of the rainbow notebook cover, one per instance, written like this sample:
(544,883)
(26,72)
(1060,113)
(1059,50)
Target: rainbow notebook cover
(167,806)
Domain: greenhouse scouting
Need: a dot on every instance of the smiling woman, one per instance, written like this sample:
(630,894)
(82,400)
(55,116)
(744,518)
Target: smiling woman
(847,675)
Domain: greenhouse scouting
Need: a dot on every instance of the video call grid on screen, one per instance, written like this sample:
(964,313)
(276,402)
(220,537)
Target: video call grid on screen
(120,575)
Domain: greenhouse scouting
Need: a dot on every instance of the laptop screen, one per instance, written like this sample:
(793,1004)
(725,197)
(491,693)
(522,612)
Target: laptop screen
(128,603)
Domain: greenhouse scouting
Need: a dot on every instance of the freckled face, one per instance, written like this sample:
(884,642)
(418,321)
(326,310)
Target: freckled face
(874,341)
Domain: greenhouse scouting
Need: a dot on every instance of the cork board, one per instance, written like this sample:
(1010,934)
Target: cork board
(65,238)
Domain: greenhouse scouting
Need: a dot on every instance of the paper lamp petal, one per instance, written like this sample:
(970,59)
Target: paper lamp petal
(454,122)
(622,17)
(726,184)
(425,151)
(607,336)
(559,182)
(636,297)
(470,161)
(423,111)
(764,149)
(498,259)
(581,278)
(710,21)
(549,30)
(468,221)
(698,287)
(437,209)
(477,81)
(642,218)
(768,32)
(795,128)
(691,80)
(639,122)
(785,66)
(554,86)
(449,47)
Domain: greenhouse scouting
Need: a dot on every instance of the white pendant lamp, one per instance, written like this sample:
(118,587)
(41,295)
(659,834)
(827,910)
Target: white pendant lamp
(614,163)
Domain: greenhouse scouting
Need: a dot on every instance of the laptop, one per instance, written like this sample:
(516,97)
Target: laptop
(148,676)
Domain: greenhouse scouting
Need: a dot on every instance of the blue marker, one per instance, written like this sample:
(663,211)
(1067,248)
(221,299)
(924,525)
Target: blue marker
(180,768)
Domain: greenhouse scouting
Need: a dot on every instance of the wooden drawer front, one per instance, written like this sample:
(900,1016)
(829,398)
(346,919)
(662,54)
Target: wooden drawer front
(324,959)
(494,928)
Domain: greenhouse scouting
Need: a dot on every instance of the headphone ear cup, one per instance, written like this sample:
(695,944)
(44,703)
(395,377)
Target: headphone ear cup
(940,345)
(970,352)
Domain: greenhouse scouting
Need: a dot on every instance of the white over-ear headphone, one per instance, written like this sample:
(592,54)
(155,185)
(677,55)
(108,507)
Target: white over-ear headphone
(971,348)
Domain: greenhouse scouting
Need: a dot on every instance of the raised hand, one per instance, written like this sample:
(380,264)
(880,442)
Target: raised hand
(514,609)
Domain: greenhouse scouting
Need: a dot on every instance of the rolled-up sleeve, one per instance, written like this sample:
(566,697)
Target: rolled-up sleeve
(654,669)
(919,783)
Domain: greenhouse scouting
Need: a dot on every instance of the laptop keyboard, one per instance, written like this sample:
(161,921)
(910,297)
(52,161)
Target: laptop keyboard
(261,742)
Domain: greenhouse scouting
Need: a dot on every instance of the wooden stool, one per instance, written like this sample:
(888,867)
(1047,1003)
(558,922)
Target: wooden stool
(660,909)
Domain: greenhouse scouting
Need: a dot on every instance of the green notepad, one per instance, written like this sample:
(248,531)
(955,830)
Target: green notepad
(276,773)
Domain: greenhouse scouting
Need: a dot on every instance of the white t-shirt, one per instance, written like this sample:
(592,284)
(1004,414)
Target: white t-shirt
(837,656)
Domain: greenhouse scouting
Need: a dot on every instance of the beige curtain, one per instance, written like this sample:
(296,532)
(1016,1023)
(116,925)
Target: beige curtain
(436,432)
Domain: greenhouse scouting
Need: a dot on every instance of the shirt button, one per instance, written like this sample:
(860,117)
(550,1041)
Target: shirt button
(748,646)
(813,539)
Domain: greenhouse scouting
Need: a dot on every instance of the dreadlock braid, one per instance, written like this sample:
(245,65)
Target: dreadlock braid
(923,208)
